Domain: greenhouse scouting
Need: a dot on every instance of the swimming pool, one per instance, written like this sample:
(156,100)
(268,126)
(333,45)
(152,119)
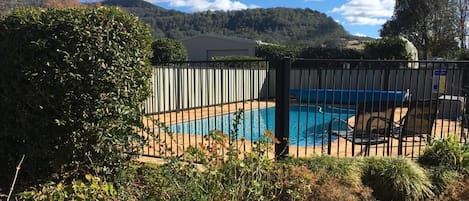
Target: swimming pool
(308,124)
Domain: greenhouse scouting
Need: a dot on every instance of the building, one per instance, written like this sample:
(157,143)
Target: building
(204,47)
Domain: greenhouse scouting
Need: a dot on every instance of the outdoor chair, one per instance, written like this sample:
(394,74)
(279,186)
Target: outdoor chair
(417,123)
(372,126)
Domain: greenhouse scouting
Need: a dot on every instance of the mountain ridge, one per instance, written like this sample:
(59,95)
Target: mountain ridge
(273,25)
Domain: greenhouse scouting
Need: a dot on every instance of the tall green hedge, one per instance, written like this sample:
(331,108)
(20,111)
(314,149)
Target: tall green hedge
(330,53)
(277,52)
(71,86)
(386,48)
(167,49)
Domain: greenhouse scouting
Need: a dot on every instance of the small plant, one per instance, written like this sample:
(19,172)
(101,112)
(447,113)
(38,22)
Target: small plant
(446,153)
(92,189)
(396,179)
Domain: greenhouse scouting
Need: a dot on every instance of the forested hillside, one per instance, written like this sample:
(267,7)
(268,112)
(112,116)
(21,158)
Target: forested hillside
(275,25)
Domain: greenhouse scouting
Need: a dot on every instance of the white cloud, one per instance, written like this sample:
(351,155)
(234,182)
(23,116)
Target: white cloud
(203,5)
(366,12)
(360,35)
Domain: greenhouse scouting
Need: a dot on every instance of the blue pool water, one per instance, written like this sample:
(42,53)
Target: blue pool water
(308,124)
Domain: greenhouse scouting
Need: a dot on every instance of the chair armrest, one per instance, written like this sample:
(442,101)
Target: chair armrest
(349,127)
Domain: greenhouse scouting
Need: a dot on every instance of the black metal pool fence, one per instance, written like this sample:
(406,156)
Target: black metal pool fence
(335,107)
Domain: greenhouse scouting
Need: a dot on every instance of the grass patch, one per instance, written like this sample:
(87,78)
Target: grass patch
(347,171)
(396,179)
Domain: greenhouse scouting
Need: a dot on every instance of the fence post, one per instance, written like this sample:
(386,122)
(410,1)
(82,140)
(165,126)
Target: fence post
(282,108)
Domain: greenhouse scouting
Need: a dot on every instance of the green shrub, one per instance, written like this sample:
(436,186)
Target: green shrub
(386,48)
(92,189)
(441,178)
(234,57)
(239,62)
(277,52)
(71,86)
(219,170)
(251,178)
(165,50)
(347,171)
(447,153)
(330,53)
(396,179)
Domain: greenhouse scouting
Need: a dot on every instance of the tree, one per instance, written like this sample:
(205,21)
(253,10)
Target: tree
(165,50)
(386,48)
(462,11)
(428,24)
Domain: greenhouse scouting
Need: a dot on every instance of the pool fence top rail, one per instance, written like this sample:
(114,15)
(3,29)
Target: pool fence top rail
(185,91)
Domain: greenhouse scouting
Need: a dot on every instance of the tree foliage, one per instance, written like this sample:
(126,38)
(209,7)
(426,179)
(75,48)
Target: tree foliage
(461,8)
(386,48)
(330,53)
(71,86)
(429,24)
(165,50)
(277,52)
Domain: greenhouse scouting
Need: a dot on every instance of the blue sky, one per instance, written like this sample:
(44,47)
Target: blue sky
(359,17)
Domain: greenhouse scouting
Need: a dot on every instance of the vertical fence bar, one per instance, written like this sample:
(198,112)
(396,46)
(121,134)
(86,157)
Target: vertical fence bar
(282,105)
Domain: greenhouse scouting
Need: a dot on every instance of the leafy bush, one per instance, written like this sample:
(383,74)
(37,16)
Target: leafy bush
(386,48)
(277,52)
(396,179)
(447,153)
(71,86)
(235,57)
(251,178)
(330,53)
(165,50)
(239,62)
(92,189)
(224,172)
(445,158)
